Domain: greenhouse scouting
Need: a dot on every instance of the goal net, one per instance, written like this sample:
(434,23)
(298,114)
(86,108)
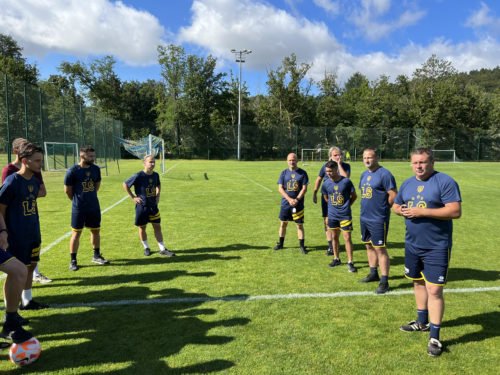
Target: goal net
(445,156)
(59,156)
(150,145)
(310,155)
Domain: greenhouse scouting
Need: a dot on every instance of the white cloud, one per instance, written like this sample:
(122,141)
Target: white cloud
(73,27)
(271,33)
(367,19)
(480,18)
(329,6)
(464,57)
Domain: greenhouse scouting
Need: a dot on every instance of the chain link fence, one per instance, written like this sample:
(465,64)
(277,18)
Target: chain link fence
(392,143)
(27,112)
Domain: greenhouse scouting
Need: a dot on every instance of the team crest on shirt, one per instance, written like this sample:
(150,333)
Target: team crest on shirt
(88,174)
(369,178)
(293,176)
(30,188)
(150,180)
(336,188)
(420,188)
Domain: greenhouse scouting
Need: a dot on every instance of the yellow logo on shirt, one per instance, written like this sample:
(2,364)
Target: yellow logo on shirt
(420,188)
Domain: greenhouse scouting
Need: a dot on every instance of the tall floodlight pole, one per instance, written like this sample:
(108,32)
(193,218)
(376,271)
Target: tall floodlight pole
(239,59)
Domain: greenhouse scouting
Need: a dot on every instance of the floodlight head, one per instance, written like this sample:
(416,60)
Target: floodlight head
(233,50)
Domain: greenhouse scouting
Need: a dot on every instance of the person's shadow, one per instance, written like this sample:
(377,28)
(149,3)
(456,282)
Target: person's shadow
(487,321)
(131,338)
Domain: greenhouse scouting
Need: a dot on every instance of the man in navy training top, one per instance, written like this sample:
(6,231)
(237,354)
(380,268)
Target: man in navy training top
(6,172)
(292,185)
(345,171)
(81,184)
(378,190)
(147,189)
(18,208)
(17,274)
(429,201)
(339,193)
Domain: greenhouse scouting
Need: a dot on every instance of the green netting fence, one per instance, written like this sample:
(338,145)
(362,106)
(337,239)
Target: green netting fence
(27,112)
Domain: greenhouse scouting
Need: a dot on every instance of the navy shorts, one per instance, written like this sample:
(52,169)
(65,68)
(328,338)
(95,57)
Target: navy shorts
(429,265)
(145,215)
(89,219)
(324,206)
(5,257)
(345,225)
(28,253)
(374,232)
(296,213)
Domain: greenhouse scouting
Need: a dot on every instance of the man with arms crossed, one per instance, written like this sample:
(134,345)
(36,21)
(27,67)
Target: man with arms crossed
(339,193)
(429,201)
(344,170)
(13,168)
(292,185)
(378,190)
(81,185)
(19,209)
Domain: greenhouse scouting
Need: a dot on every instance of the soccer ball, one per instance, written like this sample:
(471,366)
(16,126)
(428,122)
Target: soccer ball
(25,353)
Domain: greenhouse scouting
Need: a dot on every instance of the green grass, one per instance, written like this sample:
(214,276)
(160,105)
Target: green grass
(222,229)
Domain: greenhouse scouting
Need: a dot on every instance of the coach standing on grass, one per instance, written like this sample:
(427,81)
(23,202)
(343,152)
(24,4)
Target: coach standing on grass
(292,185)
(429,202)
(81,185)
(378,190)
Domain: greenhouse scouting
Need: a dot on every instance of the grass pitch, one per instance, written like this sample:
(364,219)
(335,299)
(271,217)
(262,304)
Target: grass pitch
(227,303)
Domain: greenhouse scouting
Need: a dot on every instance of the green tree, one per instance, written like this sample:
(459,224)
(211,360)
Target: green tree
(99,83)
(12,62)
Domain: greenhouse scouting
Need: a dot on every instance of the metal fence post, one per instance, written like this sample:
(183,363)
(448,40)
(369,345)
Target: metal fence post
(81,125)
(41,115)
(25,112)
(7,115)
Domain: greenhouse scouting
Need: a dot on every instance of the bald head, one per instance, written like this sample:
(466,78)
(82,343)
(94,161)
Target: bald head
(292,161)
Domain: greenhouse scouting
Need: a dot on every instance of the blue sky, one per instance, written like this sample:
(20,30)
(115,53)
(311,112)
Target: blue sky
(337,36)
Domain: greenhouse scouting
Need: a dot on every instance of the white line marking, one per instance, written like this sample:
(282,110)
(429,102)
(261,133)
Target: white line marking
(255,182)
(260,298)
(172,167)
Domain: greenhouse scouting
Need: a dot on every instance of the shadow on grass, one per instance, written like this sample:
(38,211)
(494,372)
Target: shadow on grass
(489,327)
(455,274)
(124,292)
(133,338)
(218,249)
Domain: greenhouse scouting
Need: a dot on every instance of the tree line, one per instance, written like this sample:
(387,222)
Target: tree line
(194,107)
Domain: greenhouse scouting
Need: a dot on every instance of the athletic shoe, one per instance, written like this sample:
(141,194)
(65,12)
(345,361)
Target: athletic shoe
(371,277)
(329,251)
(22,321)
(167,253)
(73,266)
(278,246)
(33,305)
(382,288)
(303,250)
(99,259)
(351,268)
(147,252)
(434,348)
(335,262)
(41,279)
(415,325)
(15,332)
